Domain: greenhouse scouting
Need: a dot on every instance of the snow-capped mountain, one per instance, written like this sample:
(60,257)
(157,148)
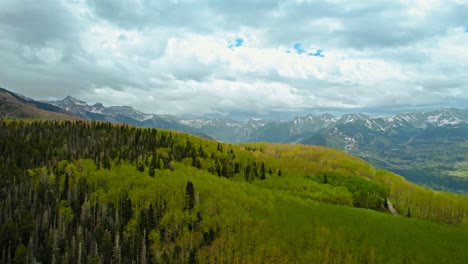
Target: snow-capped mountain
(354,131)
(113,112)
(311,123)
(123,114)
(349,131)
(301,127)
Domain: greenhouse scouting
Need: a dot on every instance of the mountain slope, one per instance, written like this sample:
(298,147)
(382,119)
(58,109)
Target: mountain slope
(95,192)
(123,114)
(400,143)
(14,106)
(427,153)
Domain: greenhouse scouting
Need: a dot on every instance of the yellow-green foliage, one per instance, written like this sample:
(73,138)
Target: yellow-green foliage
(269,221)
(92,188)
(442,207)
(299,160)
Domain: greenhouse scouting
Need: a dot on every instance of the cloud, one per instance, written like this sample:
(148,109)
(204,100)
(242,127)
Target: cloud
(35,24)
(203,57)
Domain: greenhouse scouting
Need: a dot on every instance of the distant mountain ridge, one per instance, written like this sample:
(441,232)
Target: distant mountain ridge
(17,106)
(289,131)
(283,131)
(429,148)
(123,114)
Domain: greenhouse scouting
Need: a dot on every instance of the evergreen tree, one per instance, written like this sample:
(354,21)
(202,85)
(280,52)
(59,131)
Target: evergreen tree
(151,218)
(262,171)
(151,171)
(236,168)
(21,254)
(201,153)
(65,187)
(255,170)
(189,196)
(141,167)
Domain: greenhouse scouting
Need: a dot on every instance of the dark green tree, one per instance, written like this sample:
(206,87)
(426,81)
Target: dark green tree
(189,196)
(236,168)
(151,171)
(21,254)
(262,171)
(141,167)
(65,187)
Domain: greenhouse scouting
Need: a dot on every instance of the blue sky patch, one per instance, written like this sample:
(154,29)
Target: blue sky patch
(317,53)
(237,43)
(298,48)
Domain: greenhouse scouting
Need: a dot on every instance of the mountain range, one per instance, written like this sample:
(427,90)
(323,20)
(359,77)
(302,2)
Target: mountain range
(428,148)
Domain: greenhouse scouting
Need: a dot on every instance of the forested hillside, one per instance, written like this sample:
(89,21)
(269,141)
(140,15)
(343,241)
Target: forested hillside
(426,148)
(91,192)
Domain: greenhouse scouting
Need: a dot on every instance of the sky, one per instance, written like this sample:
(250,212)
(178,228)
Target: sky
(245,57)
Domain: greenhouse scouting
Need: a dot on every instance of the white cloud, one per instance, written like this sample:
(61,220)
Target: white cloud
(160,58)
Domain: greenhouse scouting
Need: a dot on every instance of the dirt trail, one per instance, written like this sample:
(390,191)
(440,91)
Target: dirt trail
(392,209)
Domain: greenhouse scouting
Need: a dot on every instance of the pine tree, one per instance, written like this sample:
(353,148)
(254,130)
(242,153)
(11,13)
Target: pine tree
(255,170)
(151,171)
(189,196)
(65,187)
(151,218)
(141,167)
(201,152)
(236,168)
(262,171)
